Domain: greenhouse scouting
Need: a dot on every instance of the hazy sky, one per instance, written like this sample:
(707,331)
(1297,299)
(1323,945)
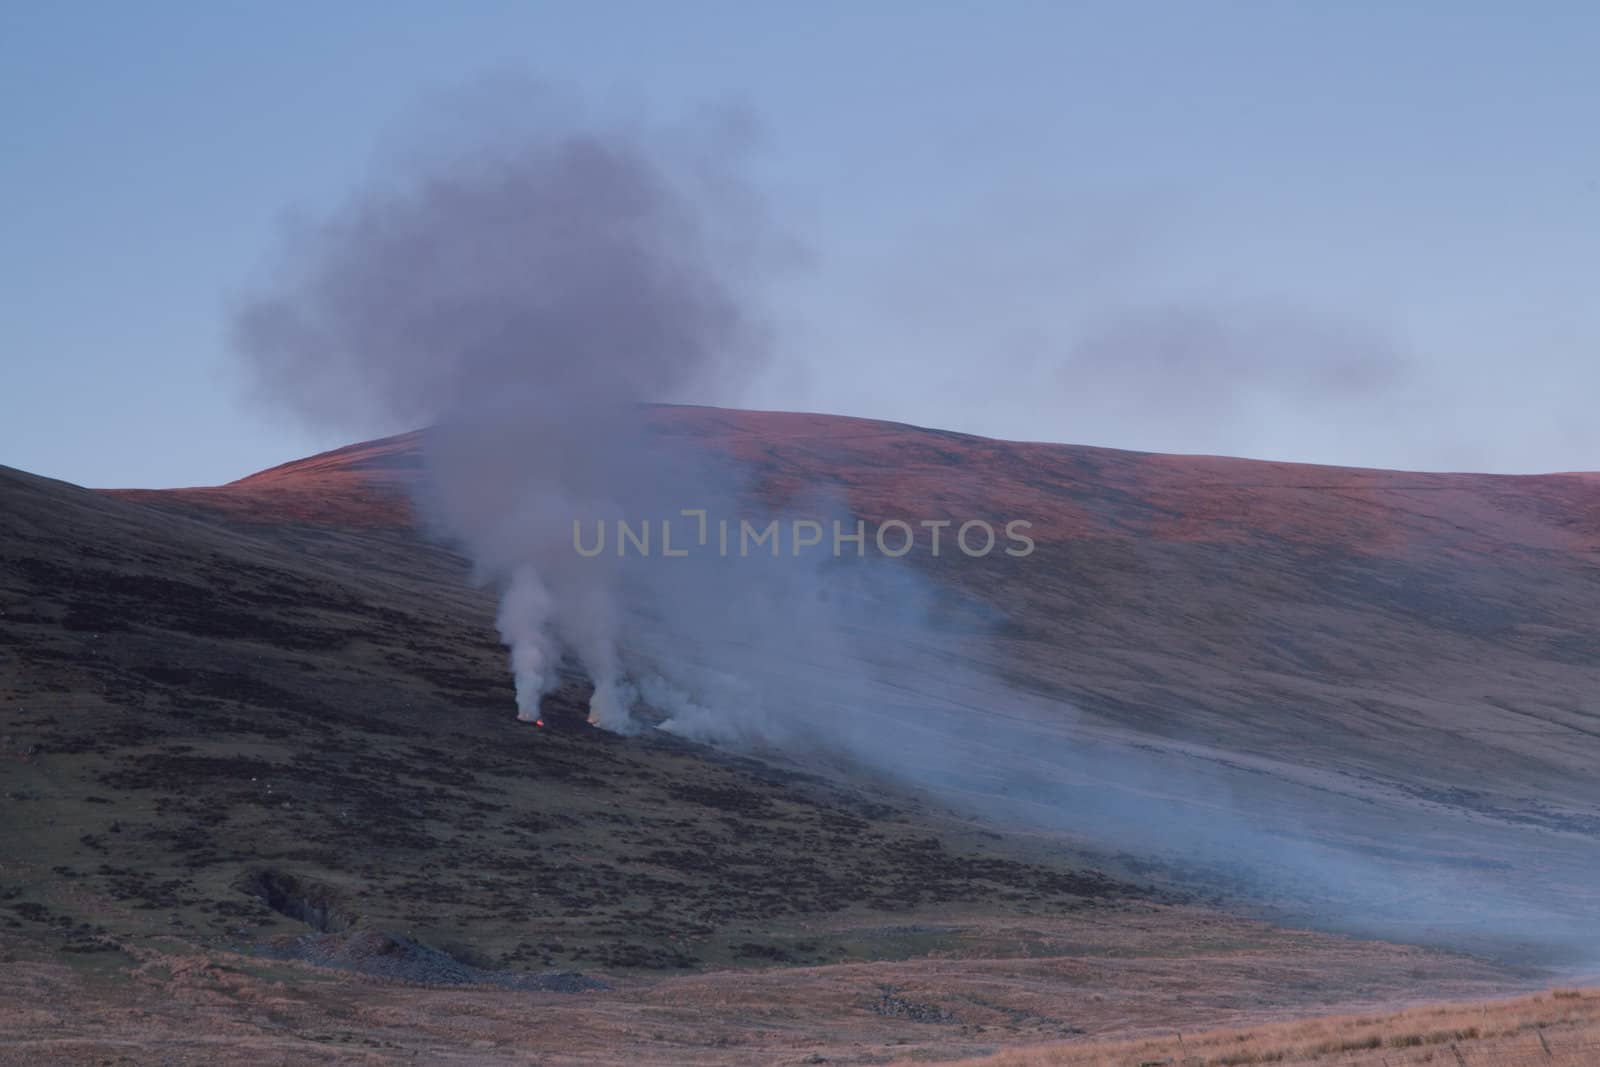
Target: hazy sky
(1354,233)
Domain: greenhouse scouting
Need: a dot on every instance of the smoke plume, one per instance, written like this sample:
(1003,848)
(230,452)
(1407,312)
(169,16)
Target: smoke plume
(522,298)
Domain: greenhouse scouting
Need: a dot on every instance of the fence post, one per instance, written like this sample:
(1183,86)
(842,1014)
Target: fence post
(1545,1044)
(1462,1060)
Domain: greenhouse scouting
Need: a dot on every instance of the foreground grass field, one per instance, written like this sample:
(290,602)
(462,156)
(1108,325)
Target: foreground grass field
(1559,1028)
(942,985)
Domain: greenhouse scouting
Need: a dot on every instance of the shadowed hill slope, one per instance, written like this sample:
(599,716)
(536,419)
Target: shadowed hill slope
(270,719)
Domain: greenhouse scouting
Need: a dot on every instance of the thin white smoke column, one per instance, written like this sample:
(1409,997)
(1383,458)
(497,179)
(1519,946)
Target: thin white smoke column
(589,628)
(525,622)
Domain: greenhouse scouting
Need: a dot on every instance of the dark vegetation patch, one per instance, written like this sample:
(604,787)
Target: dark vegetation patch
(340,940)
(223,685)
(61,931)
(107,600)
(891,1004)
(403,959)
(800,952)
(315,905)
(741,801)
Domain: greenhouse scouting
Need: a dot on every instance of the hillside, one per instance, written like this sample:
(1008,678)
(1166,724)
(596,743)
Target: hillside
(268,721)
(1400,667)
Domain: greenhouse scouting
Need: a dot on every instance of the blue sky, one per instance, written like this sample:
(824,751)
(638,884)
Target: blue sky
(1357,233)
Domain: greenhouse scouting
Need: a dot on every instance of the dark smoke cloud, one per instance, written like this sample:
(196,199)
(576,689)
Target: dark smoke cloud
(573,262)
(521,296)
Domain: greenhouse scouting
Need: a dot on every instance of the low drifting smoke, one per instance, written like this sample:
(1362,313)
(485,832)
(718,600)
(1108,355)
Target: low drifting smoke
(522,299)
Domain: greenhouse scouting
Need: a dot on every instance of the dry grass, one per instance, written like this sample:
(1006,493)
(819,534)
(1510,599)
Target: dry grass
(1558,1028)
(1088,978)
